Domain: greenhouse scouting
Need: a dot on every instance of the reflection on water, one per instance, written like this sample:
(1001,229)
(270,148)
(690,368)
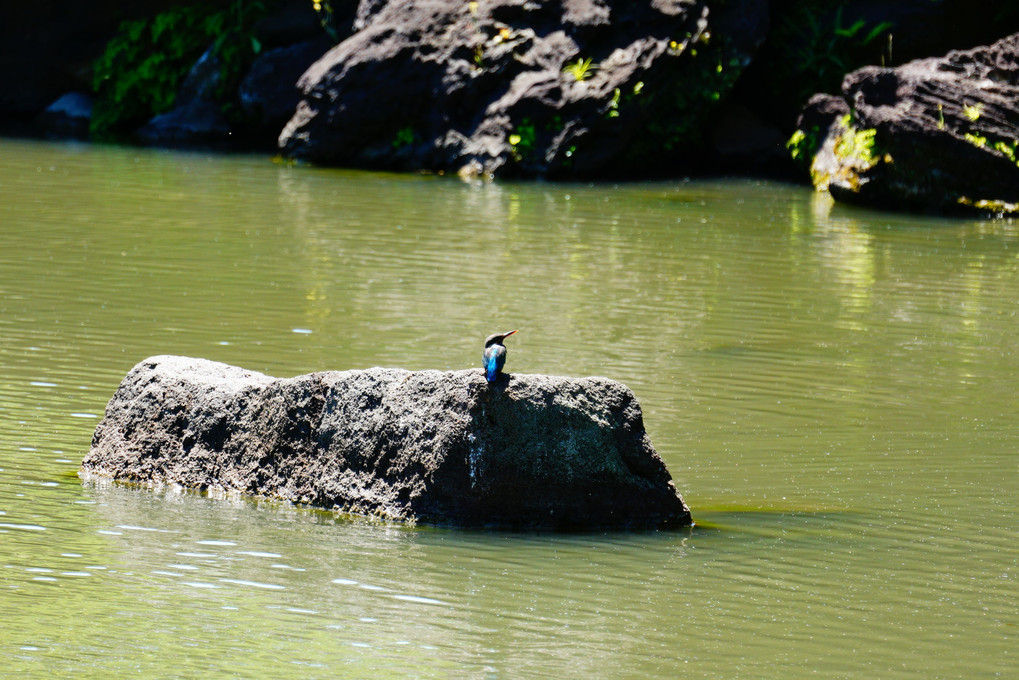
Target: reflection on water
(833,390)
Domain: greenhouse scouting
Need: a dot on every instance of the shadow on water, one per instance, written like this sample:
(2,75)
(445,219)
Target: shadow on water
(733,521)
(721,522)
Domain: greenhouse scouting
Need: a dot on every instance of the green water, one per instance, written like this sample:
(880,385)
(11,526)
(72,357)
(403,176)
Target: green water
(833,390)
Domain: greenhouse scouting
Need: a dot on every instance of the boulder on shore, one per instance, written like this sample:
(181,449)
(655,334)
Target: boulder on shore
(529,451)
(268,93)
(934,135)
(577,88)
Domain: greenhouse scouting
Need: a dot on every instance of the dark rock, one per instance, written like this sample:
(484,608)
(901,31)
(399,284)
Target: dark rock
(198,124)
(529,451)
(197,119)
(296,22)
(366,12)
(821,113)
(819,126)
(203,80)
(67,117)
(936,135)
(268,93)
(480,88)
(740,139)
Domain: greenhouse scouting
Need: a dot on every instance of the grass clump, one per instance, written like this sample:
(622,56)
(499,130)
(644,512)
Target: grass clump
(581,69)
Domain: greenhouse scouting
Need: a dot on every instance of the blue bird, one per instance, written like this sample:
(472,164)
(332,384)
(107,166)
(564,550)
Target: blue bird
(494,357)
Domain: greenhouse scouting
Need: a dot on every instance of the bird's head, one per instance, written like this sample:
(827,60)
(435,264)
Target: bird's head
(498,338)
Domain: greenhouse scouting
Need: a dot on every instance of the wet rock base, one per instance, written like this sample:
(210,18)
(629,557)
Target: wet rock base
(526,452)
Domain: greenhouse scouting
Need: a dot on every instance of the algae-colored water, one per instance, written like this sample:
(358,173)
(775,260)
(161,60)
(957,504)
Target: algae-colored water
(834,391)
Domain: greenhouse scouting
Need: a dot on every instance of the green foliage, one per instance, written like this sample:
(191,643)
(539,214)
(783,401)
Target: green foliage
(236,45)
(852,143)
(858,145)
(678,114)
(994,208)
(141,70)
(810,49)
(976,140)
(582,69)
(802,145)
(326,18)
(828,49)
(618,98)
(405,136)
(522,140)
(1009,151)
(613,111)
(973,112)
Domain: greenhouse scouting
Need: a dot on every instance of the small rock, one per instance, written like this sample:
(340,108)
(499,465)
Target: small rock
(67,117)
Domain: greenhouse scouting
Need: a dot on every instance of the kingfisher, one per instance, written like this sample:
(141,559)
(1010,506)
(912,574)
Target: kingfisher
(494,357)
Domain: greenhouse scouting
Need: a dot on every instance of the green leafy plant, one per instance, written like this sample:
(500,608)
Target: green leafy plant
(803,145)
(976,140)
(811,49)
(613,110)
(522,140)
(404,137)
(972,112)
(1009,151)
(678,114)
(856,144)
(581,69)
(141,70)
(830,51)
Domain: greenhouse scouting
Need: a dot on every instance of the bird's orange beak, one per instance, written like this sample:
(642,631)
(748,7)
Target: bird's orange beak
(506,335)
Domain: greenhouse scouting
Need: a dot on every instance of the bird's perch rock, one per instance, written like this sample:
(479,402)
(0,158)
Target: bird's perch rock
(528,451)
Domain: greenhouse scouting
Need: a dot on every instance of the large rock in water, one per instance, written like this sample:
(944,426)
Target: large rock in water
(933,135)
(530,451)
(517,87)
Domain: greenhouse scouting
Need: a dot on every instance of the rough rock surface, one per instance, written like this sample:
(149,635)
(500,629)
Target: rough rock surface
(485,88)
(198,123)
(939,135)
(268,93)
(196,120)
(529,451)
(68,116)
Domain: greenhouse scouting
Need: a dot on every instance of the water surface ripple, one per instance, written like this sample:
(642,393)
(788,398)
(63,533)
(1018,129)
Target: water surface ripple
(832,389)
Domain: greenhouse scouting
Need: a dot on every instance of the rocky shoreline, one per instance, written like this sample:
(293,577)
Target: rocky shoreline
(576,89)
